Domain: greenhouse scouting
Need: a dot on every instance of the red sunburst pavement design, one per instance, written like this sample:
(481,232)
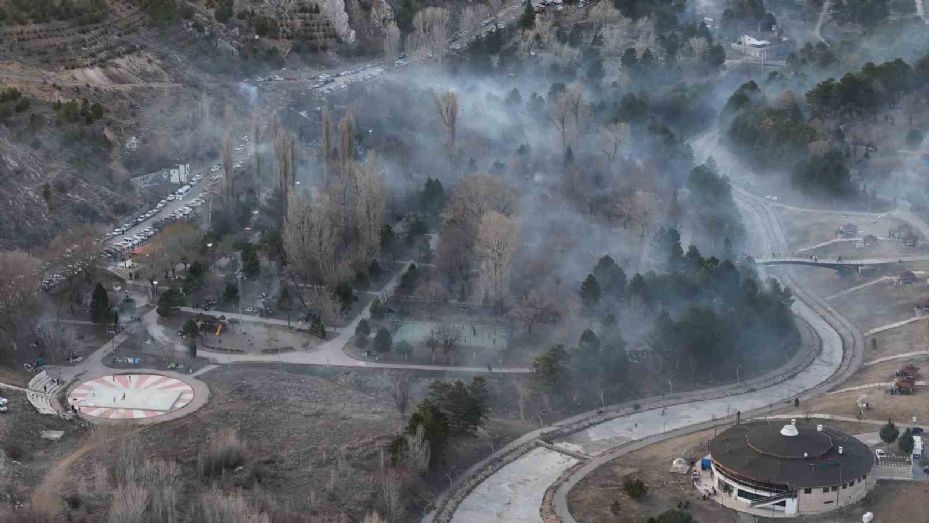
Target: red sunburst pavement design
(133,396)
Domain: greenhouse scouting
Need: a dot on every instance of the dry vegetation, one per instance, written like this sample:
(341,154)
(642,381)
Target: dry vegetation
(592,498)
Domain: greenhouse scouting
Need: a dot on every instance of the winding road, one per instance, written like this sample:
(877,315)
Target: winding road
(533,485)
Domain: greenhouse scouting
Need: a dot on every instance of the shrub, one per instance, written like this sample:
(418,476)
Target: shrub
(905,443)
(635,488)
(14,452)
(383,340)
(128,504)
(889,432)
(224,451)
(219,507)
(404,349)
(378,309)
(362,331)
(231,292)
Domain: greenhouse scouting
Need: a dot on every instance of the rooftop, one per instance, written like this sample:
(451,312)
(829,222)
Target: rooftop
(793,456)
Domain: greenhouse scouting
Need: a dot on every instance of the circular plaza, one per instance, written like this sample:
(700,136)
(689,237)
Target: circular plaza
(129,397)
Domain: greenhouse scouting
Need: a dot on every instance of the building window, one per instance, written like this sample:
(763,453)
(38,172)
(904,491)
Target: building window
(807,491)
(844,486)
(835,489)
(825,490)
(827,502)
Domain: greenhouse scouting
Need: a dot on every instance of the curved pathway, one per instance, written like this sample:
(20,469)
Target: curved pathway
(516,484)
(837,262)
(332,352)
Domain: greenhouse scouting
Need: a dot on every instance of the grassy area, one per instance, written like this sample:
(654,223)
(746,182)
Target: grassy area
(592,497)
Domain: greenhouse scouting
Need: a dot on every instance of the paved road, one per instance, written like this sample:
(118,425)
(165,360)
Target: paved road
(840,355)
(817,29)
(838,262)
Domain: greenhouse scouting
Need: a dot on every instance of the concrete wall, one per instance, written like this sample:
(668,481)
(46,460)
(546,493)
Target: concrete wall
(816,501)
(839,496)
(789,507)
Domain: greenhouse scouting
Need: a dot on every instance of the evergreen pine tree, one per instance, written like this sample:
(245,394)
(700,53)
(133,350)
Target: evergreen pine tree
(99,305)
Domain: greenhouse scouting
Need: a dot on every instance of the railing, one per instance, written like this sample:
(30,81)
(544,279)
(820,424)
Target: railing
(771,499)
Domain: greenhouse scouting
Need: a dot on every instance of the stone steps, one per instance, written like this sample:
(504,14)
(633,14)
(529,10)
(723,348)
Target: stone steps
(41,391)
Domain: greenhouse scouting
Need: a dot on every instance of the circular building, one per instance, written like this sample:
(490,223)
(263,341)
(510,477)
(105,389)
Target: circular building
(788,469)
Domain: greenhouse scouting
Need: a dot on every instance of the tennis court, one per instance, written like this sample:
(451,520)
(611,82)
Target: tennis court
(478,336)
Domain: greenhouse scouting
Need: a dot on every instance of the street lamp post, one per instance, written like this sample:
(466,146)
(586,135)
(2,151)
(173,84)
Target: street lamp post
(155,290)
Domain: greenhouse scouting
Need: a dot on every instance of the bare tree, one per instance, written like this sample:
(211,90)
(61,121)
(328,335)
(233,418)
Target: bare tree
(400,390)
(444,338)
(346,153)
(256,148)
(635,210)
(432,292)
(78,249)
(310,240)
(454,250)
(447,106)
(497,240)
(128,504)
(217,506)
(568,115)
(19,279)
(472,16)
(368,207)
(559,114)
(430,30)
(227,167)
(325,140)
(577,106)
(698,46)
(391,484)
(56,341)
(321,301)
(391,43)
(177,243)
(495,6)
(612,138)
(285,157)
(416,453)
(477,195)
(538,306)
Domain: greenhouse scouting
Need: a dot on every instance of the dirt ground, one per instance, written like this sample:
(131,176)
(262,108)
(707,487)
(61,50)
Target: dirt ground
(908,338)
(806,229)
(321,463)
(27,456)
(243,336)
(590,499)
(896,302)
(853,249)
(882,404)
(889,501)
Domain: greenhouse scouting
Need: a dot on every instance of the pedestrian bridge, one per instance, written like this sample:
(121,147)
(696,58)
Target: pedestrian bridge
(838,263)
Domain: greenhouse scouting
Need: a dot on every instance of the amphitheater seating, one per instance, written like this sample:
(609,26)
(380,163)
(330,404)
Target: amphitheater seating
(41,391)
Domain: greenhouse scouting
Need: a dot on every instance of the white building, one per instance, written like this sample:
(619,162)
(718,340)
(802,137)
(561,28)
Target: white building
(770,469)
